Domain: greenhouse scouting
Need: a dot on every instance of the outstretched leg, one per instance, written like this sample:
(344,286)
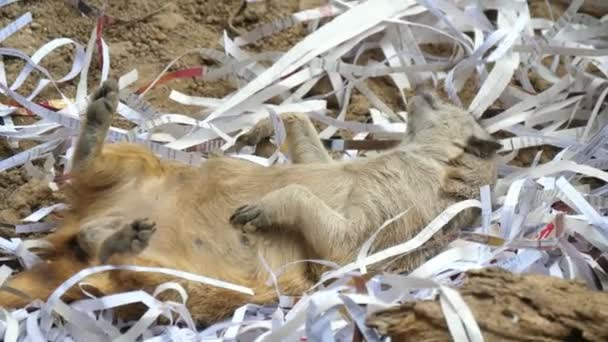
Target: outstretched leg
(96,124)
(295,207)
(302,138)
(108,236)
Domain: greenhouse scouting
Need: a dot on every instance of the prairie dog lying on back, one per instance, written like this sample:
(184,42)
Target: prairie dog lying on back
(129,207)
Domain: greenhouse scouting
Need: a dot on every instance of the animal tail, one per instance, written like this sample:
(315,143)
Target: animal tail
(207,304)
(39,282)
(210,304)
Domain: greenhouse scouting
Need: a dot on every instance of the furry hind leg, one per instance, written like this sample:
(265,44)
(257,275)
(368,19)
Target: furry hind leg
(96,124)
(303,141)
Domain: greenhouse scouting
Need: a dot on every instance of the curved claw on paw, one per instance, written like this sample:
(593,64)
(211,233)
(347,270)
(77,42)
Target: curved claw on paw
(249,218)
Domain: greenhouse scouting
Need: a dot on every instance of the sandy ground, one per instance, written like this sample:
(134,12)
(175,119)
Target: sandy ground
(147,45)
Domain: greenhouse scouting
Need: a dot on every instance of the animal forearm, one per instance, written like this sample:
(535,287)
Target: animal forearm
(328,232)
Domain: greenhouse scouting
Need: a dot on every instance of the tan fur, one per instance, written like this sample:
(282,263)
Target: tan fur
(312,209)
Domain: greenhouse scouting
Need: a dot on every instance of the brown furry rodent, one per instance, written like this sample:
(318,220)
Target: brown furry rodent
(129,207)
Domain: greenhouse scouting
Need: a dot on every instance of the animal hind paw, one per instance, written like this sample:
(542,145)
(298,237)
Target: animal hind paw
(104,102)
(131,238)
(460,183)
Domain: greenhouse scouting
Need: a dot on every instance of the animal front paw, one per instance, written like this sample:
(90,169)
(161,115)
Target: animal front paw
(460,183)
(132,237)
(250,218)
(103,103)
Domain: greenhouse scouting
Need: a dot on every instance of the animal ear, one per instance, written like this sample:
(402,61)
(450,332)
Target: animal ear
(422,111)
(423,103)
(483,148)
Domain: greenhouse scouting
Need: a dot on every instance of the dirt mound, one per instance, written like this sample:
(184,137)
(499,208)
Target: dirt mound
(149,34)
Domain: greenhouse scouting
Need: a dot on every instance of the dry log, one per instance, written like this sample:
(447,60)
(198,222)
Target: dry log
(507,307)
(598,8)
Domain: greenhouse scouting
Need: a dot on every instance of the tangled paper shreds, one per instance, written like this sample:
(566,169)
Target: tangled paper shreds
(542,218)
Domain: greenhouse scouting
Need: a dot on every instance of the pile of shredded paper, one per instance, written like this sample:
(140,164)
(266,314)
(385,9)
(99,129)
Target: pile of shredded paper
(543,218)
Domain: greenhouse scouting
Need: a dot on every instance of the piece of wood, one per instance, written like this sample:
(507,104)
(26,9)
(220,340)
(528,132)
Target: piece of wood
(507,307)
(597,8)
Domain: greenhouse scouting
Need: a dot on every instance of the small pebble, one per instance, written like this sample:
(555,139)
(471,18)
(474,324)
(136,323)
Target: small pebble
(212,19)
